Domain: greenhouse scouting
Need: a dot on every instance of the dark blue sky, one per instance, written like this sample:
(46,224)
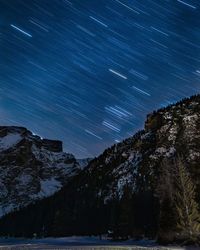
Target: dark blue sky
(88,71)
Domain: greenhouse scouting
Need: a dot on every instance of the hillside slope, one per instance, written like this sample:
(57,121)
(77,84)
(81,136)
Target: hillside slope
(116,191)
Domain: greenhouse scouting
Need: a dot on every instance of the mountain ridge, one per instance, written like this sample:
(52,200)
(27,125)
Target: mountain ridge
(116,191)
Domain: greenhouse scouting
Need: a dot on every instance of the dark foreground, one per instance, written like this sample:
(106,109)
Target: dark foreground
(84,243)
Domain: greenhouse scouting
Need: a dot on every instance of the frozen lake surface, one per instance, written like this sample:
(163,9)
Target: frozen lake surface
(84,243)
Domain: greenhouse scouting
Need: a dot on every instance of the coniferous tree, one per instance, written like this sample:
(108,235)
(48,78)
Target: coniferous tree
(179,214)
(114,217)
(126,213)
(165,195)
(188,223)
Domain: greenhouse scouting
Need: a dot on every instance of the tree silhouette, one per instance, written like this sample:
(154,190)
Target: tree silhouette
(188,223)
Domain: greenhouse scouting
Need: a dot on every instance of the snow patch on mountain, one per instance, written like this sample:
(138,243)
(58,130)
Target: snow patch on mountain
(49,187)
(9,141)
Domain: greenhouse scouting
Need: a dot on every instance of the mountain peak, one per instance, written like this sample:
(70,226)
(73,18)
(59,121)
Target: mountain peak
(12,135)
(31,168)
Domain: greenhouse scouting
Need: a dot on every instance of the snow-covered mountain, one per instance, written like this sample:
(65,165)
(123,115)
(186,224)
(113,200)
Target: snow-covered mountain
(31,168)
(117,189)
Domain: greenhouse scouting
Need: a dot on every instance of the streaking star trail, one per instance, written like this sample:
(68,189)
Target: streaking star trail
(20,30)
(118,74)
(88,72)
(141,91)
(187,4)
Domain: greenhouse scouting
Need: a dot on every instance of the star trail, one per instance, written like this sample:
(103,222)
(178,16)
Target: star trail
(88,72)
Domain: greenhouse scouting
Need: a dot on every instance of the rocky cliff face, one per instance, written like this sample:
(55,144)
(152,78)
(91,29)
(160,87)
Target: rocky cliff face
(169,132)
(93,199)
(31,168)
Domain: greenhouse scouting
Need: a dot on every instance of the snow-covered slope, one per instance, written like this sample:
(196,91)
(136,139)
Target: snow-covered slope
(83,162)
(31,168)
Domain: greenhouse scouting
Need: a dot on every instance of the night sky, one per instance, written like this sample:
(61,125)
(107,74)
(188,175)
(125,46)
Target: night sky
(87,72)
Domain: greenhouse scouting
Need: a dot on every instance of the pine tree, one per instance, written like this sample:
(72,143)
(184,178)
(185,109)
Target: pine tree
(188,223)
(125,219)
(165,195)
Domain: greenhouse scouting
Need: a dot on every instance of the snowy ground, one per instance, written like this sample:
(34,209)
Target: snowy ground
(84,243)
